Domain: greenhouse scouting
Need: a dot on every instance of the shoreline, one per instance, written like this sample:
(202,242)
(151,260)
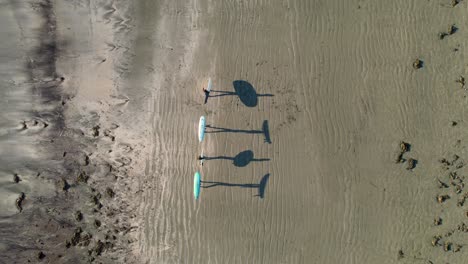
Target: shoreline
(173,44)
(105,78)
(77,198)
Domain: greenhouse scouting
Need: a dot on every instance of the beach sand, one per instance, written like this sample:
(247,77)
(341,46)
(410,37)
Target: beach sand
(310,104)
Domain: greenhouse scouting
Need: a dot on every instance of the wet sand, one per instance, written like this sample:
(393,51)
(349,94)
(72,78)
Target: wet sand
(71,156)
(304,163)
(344,94)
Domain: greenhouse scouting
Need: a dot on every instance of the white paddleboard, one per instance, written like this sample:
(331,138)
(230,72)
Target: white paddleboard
(201,129)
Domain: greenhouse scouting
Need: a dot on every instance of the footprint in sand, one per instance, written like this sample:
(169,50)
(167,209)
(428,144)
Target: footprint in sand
(33,125)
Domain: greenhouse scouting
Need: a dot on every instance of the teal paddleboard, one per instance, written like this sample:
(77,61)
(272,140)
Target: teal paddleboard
(196,184)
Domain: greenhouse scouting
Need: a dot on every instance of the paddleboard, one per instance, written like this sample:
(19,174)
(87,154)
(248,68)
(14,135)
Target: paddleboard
(196,184)
(210,84)
(201,129)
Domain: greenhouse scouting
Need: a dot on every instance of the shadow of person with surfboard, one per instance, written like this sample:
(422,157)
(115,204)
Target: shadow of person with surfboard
(240,160)
(246,92)
(261,186)
(265,130)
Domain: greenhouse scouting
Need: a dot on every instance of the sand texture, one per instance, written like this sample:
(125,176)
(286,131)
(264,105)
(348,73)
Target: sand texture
(335,131)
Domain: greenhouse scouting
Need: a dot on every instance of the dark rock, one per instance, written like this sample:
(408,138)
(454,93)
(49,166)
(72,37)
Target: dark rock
(41,255)
(78,216)
(404,147)
(455,2)
(452,29)
(110,193)
(447,246)
(454,123)
(19,201)
(442,198)
(16,178)
(417,64)
(437,221)
(97,223)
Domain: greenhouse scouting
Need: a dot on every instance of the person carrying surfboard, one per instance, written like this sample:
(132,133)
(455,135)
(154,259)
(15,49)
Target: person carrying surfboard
(207,94)
(201,158)
(207,90)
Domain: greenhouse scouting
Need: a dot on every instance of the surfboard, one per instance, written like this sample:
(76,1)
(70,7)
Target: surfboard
(210,84)
(196,184)
(201,129)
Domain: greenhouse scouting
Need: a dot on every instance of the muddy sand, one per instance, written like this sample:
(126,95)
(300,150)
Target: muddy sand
(336,131)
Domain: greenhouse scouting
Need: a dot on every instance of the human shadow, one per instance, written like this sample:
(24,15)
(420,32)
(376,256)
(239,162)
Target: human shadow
(261,186)
(265,130)
(240,160)
(244,90)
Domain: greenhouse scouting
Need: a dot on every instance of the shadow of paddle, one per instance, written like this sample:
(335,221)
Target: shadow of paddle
(244,90)
(261,186)
(240,160)
(265,130)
